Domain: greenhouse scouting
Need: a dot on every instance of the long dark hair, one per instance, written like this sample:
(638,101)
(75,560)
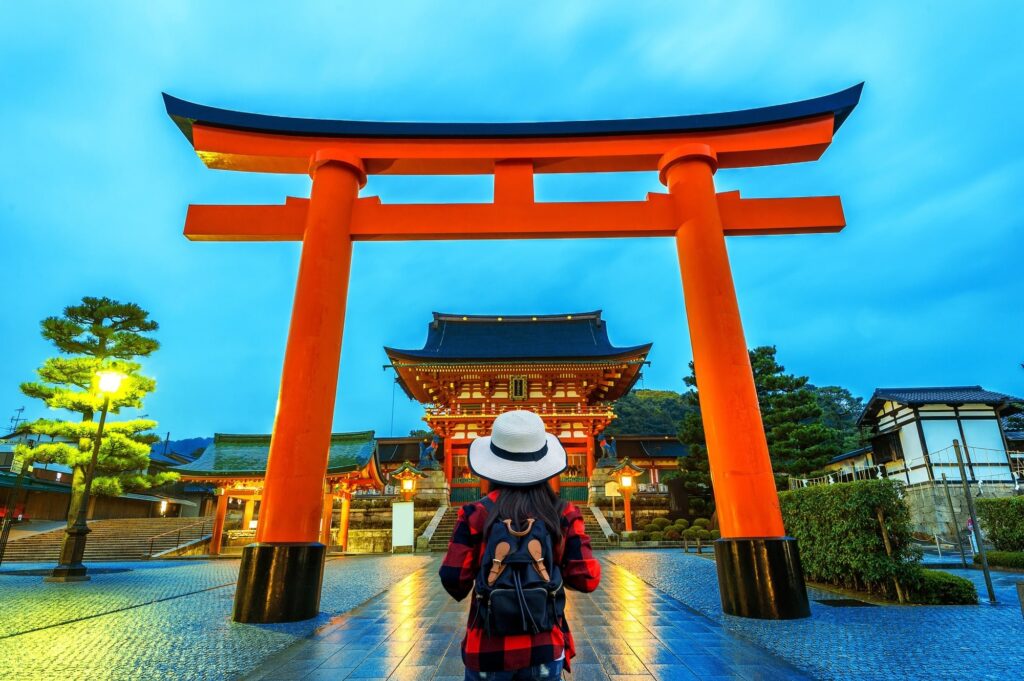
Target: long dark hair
(519,503)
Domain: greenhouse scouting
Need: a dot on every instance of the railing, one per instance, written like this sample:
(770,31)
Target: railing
(494,410)
(177,532)
(937,461)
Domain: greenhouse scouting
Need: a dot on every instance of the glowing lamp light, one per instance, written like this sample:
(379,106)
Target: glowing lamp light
(626,481)
(109,381)
(252,524)
(407,485)
(163,507)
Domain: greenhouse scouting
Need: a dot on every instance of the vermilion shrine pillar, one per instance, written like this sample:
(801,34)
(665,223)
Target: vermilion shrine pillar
(346,508)
(287,551)
(325,519)
(217,534)
(758,566)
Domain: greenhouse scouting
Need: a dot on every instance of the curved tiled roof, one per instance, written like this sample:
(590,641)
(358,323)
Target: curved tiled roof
(953,395)
(246,455)
(186,114)
(540,337)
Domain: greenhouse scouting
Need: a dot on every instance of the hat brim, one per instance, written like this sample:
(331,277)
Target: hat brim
(486,464)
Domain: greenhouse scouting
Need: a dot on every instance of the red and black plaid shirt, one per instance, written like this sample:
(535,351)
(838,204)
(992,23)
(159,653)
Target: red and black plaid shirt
(580,571)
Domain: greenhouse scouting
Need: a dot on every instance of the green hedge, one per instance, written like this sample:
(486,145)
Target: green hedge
(1003,521)
(1007,559)
(840,538)
(935,587)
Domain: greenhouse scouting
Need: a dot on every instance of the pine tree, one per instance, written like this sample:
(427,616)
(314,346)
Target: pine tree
(99,334)
(799,440)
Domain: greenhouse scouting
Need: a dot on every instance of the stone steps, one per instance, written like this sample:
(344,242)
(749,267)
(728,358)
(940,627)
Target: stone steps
(598,541)
(116,539)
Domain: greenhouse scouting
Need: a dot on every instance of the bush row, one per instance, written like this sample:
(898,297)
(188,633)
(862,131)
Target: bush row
(840,537)
(673,534)
(1007,559)
(935,587)
(842,542)
(1002,520)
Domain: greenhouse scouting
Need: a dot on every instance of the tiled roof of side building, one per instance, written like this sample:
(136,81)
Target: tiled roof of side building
(853,454)
(452,337)
(955,395)
(649,446)
(246,455)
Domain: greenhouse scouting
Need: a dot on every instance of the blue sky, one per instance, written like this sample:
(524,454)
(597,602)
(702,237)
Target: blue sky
(922,288)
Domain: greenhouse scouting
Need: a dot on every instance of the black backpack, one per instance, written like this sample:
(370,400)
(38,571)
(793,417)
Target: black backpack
(517,593)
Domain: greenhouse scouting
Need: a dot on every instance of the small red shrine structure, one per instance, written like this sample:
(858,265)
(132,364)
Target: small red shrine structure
(563,367)
(236,465)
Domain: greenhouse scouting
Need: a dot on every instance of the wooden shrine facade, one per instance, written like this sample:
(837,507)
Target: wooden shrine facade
(473,368)
(237,464)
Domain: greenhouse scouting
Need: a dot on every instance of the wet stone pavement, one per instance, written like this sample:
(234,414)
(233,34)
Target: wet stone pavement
(899,643)
(626,630)
(160,619)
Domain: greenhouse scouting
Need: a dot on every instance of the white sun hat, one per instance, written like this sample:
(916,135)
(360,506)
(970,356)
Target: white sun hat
(518,452)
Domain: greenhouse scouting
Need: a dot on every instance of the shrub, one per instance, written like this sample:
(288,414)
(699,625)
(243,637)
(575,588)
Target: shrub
(1003,521)
(1007,559)
(682,523)
(632,536)
(715,534)
(650,527)
(701,522)
(697,504)
(840,537)
(656,536)
(673,534)
(661,523)
(935,587)
(703,535)
(691,533)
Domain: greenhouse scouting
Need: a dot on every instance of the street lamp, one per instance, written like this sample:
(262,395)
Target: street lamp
(624,474)
(70,567)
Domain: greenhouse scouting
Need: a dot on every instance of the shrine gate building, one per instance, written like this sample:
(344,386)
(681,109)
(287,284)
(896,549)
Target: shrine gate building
(563,367)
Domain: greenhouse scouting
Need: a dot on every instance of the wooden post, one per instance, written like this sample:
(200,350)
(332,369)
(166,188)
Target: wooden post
(346,507)
(888,552)
(626,510)
(250,506)
(325,519)
(218,524)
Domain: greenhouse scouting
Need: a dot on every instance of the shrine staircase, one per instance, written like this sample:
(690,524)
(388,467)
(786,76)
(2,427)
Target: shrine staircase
(598,540)
(439,540)
(117,539)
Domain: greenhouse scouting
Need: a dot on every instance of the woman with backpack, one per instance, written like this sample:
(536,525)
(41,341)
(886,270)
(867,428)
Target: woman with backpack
(516,550)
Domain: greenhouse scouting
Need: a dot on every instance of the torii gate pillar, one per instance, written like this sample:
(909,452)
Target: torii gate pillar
(759,571)
(280,576)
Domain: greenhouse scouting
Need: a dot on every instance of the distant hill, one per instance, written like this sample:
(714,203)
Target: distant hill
(188,448)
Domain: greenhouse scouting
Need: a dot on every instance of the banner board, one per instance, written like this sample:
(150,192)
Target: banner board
(402,527)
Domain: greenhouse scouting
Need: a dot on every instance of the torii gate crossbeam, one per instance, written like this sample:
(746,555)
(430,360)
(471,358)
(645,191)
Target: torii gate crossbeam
(758,566)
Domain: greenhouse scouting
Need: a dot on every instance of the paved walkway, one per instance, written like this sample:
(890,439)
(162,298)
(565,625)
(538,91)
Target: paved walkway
(161,619)
(625,631)
(898,643)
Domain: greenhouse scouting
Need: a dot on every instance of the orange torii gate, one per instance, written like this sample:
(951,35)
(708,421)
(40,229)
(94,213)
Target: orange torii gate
(758,566)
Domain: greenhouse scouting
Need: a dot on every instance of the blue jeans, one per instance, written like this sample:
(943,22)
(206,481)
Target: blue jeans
(542,672)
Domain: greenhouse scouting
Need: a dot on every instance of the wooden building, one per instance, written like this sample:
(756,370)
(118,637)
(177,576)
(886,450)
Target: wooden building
(563,367)
(913,429)
(237,464)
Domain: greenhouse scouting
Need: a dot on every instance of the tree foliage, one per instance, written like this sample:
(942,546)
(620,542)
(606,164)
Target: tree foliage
(98,334)
(649,412)
(802,436)
(840,410)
